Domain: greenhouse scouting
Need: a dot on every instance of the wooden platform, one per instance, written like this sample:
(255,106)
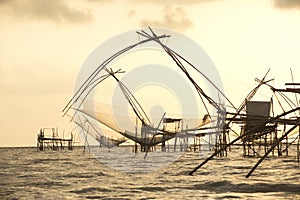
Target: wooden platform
(52,141)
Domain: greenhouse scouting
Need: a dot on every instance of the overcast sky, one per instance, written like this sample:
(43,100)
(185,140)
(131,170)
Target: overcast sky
(44,43)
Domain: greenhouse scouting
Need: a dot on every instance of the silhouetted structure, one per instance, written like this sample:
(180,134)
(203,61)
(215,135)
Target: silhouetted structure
(52,140)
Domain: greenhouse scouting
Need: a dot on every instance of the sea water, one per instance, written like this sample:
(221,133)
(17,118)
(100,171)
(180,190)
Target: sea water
(26,173)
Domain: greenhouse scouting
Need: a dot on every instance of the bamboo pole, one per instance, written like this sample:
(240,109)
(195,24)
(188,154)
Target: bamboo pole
(241,137)
(271,149)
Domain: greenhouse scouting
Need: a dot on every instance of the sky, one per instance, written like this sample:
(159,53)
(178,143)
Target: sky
(44,43)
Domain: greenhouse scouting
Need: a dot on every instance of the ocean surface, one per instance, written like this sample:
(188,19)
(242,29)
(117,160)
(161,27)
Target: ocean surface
(26,173)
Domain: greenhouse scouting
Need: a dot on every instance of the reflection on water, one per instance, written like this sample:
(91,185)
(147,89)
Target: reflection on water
(27,173)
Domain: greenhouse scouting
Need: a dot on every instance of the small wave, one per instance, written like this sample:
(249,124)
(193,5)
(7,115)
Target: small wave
(78,175)
(227,186)
(90,190)
(152,189)
(49,183)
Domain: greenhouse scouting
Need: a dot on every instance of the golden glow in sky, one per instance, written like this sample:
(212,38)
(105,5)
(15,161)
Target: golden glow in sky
(44,43)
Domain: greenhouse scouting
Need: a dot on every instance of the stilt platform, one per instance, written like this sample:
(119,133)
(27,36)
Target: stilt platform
(52,141)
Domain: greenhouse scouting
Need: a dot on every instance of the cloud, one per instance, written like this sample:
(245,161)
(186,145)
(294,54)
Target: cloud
(287,4)
(131,13)
(57,11)
(180,2)
(101,1)
(173,18)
